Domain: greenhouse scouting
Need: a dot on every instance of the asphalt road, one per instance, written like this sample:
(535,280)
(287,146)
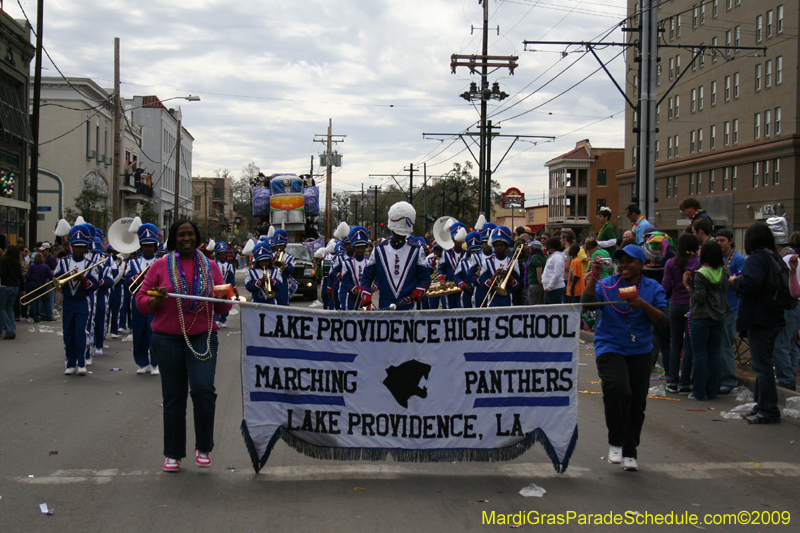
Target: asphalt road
(91,449)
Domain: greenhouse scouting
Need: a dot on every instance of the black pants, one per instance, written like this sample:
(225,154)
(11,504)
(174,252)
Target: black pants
(625,381)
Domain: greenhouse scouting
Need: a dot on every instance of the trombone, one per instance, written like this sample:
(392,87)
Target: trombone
(136,284)
(501,288)
(59,281)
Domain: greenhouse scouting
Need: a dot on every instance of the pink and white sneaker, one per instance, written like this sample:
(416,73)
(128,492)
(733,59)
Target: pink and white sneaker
(202,459)
(172,465)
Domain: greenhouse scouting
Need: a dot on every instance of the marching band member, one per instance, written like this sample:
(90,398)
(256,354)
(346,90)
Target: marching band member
(256,276)
(283,293)
(452,260)
(396,265)
(353,269)
(78,295)
(115,295)
(335,274)
(497,266)
(141,323)
(470,270)
(105,275)
(485,230)
(433,259)
(228,274)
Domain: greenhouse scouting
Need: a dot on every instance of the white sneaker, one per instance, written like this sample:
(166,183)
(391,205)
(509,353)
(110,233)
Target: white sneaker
(143,369)
(70,371)
(615,455)
(89,361)
(223,325)
(630,464)
(114,336)
(82,371)
(154,371)
(99,353)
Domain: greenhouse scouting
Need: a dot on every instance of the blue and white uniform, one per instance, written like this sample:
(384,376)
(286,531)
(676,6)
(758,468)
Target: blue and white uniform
(469,270)
(493,264)
(115,296)
(77,303)
(102,308)
(141,323)
(282,293)
(433,268)
(228,275)
(352,271)
(398,272)
(254,281)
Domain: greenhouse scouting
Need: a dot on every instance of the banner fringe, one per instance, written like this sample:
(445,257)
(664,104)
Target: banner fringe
(410,455)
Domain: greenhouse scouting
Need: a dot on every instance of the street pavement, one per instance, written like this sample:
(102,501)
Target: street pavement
(91,449)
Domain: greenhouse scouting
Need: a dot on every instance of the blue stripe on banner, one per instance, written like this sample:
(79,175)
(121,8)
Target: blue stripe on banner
(260,351)
(523,401)
(527,357)
(296,398)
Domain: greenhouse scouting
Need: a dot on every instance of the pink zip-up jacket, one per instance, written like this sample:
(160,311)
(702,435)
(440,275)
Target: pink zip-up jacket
(166,319)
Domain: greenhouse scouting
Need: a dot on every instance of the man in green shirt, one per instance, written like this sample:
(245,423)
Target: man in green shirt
(533,270)
(607,239)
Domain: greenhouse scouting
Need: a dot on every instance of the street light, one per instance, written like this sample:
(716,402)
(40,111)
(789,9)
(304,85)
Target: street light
(190,98)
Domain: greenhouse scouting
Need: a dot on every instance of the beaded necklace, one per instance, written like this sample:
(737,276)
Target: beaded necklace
(614,307)
(201,286)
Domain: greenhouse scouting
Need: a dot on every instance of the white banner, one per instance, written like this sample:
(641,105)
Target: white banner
(466,385)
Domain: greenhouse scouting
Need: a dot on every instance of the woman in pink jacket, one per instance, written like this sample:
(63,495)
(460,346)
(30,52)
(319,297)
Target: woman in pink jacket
(184,340)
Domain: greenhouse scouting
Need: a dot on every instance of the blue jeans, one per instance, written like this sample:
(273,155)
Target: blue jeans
(762,348)
(706,338)
(786,350)
(182,373)
(677,330)
(555,296)
(728,376)
(8,295)
(49,303)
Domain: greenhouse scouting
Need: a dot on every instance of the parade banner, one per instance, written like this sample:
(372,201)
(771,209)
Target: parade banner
(445,385)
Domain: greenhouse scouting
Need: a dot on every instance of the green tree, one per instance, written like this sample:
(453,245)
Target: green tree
(92,205)
(147,213)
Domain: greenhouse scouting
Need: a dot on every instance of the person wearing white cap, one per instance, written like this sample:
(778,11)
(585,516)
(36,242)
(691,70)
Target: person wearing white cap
(786,349)
(397,265)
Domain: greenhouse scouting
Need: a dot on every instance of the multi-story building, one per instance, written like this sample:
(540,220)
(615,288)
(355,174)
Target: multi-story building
(213,205)
(158,156)
(727,130)
(16,52)
(582,181)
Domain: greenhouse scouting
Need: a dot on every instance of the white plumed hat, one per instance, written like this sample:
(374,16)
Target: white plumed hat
(401,218)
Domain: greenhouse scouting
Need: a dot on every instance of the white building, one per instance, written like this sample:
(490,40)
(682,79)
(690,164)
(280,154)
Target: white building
(158,155)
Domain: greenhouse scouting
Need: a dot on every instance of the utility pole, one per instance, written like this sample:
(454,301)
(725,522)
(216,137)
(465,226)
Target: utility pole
(484,95)
(425,193)
(410,171)
(375,210)
(115,178)
(330,161)
(647,48)
(33,215)
(176,214)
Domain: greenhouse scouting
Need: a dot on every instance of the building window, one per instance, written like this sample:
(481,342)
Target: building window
(633,156)
(669,147)
(756,174)
(725,174)
(780,18)
(714,8)
(766,173)
(767,122)
(768,74)
(601,202)
(694,61)
(692,135)
(669,109)
(711,178)
(734,176)
(736,131)
(769,24)
(698,189)
(675,146)
(601,177)
(736,85)
(713,93)
(700,140)
(658,146)
(677,65)
(757,126)
(671,67)
(727,88)
(700,97)
(695,16)
(728,42)
(729,4)
(758,77)
(678,26)
(88,139)
(677,106)
(737,36)
(714,45)
(703,13)
(702,57)
(669,186)
(672,28)
(759,28)
(694,100)
(726,134)
(776,170)
(712,137)
(691,183)
(778,70)
(777,121)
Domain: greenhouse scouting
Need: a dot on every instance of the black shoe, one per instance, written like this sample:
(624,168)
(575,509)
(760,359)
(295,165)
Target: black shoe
(760,418)
(673,389)
(685,390)
(788,386)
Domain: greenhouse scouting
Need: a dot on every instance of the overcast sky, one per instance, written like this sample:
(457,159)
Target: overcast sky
(271,74)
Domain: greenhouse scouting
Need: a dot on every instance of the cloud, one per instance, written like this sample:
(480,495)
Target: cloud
(271,74)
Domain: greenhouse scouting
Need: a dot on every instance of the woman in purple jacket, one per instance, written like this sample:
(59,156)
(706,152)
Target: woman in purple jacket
(37,275)
(686,261)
